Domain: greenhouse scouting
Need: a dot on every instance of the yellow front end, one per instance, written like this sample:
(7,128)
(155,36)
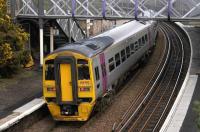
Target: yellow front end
(69,90)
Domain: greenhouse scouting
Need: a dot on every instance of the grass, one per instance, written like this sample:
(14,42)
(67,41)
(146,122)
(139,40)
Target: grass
(22,73)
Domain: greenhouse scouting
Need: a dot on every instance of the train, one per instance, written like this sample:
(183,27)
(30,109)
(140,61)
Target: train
(80,77)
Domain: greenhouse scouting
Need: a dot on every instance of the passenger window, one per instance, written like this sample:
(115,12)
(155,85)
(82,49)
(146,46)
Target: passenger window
(97,73)
(83,72)
(143,40)
(110,60)
(111,64)
(123,56)
(140,42)
(117,59)
(136,46)
(132,48)
(146,39)
(49,70)
(128,52)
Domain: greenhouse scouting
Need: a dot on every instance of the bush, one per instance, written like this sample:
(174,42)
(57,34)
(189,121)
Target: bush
(24,57)
(12,44)
(197,110)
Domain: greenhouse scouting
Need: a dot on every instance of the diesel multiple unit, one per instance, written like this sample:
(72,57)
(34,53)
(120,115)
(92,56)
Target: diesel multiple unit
(79,76)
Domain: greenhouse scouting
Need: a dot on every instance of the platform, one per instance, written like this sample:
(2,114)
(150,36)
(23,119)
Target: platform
(182,116)
(189,123)
(20,113)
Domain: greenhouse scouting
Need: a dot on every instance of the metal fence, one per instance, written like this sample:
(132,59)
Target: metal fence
(110,9)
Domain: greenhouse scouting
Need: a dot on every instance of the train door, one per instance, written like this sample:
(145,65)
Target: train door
(98,77)
(66,83)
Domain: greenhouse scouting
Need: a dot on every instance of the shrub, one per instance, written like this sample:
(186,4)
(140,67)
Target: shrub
(197,110)
(12,44)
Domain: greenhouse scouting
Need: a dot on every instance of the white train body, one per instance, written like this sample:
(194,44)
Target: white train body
(78,76)
(131,35)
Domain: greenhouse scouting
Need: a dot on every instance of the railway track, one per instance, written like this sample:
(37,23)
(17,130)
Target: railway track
(162,89)
(137,110)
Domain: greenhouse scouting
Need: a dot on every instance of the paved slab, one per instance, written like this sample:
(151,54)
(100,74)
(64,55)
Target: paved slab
(19,91)
(182,117)
(189,124)
(20,113)
(182,106)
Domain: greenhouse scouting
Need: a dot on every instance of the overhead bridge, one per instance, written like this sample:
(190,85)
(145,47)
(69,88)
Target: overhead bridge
(174,10)
(65,13)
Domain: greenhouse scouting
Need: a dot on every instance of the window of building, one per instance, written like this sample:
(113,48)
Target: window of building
(123,55)
(49,70)
(117,59)
(111,64)
(97,73)
(128,52)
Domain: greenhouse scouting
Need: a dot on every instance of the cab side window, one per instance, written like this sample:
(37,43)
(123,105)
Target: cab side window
(49,70)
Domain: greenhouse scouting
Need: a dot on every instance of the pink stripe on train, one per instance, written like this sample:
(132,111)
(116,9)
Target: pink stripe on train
(104,74)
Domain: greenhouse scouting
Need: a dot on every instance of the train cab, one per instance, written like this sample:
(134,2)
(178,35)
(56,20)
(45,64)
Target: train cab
(68,86)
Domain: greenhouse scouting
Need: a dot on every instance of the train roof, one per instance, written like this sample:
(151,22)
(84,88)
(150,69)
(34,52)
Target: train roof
(124,31)
(89,47)
(97,44)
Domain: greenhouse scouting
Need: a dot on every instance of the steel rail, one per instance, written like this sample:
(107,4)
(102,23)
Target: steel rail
(126,114)
(183,55)
(145,113)
(177,58)
(149,92)
(181,52)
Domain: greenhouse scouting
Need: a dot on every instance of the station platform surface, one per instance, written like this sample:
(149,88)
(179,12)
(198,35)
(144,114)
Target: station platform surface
(20,91)
(189,123)
(182,116)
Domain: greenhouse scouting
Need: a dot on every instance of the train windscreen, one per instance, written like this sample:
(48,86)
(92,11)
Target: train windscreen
(49,70)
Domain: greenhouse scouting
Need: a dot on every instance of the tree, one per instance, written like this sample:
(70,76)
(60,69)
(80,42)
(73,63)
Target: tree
(12,44)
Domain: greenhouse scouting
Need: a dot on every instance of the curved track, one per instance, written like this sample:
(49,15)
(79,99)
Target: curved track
(144,103)
(151,111)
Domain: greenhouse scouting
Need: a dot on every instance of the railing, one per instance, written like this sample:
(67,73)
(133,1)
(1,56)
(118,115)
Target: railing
(112,9)
(32,8)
